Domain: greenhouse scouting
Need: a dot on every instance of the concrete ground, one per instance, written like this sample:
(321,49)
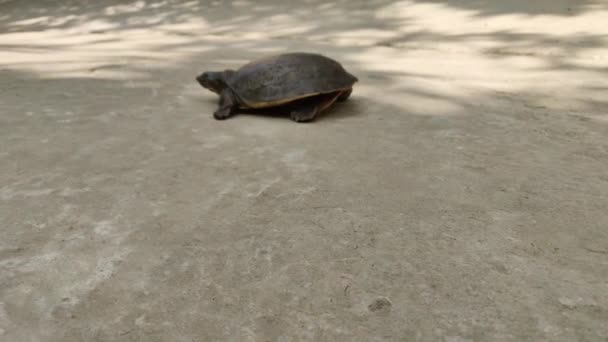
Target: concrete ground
(460,195)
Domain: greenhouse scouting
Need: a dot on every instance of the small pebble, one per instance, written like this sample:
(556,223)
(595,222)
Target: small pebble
(380,304)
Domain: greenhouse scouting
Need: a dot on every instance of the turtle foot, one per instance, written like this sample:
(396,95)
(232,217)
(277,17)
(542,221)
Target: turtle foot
(304,114)
(222,114)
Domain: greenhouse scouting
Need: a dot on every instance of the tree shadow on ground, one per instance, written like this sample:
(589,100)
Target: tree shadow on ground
(40,15)
(521,7)
(140,41)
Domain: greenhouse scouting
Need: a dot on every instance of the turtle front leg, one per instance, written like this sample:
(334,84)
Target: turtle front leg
(227,105)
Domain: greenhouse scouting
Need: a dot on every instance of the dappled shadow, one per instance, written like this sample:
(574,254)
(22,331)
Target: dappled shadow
(522,7)
(179,25)
(221,16)
(555,51)
(146,42)
(108,15)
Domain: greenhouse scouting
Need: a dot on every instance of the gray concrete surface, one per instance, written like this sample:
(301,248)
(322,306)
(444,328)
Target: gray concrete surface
(461,195)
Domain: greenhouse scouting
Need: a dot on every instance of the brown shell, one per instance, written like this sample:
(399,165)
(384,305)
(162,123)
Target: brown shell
(284,78)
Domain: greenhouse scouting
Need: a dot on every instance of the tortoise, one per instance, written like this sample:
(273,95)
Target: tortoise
(304,84)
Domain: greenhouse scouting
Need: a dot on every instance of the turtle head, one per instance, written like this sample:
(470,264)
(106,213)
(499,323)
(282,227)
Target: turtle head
(213,80)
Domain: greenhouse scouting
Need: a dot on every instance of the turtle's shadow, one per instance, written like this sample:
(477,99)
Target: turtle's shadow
(337,111)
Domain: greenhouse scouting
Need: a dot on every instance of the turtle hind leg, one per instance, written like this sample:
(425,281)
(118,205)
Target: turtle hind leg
(344,95)
(307,109)
(304,112)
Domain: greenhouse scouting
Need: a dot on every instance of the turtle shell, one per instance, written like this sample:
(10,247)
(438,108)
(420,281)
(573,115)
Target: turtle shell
(277,80)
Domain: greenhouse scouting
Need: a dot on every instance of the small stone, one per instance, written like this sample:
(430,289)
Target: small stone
(381,304)
(567,302)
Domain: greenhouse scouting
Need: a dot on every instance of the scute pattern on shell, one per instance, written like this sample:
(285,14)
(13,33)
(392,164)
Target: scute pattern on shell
(289,76)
